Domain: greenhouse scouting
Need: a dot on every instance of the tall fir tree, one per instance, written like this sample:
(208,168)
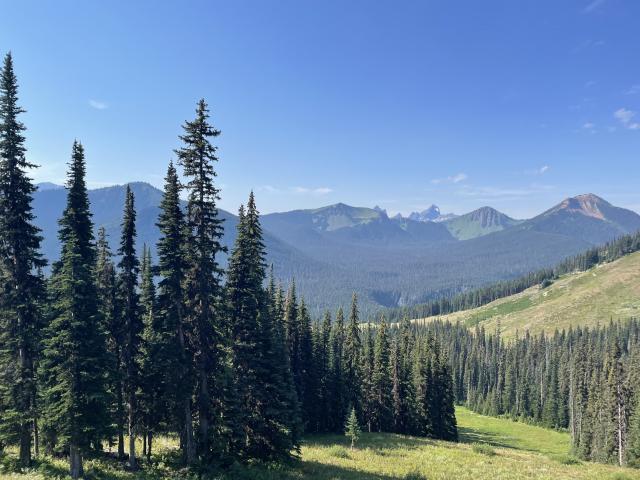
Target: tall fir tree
(266,431)
(338,409)
(108,305)
(176,354)
(381,380)
(322,349)
(307,375)
(21,288)
(153,385)
(74,357)
(129,269)
(367,385)
(286,405)
(352,359)
(203,292)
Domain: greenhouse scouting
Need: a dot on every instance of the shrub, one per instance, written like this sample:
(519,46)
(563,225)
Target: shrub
(483,449)
(546,283)
(566,459)
(414,475)
(338,451)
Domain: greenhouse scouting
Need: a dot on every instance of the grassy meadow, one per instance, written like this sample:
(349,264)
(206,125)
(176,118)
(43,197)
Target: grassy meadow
(489,448)
(608,291)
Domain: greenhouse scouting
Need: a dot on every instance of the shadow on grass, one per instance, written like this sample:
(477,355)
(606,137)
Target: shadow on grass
(374,441)
(10,464)
(470,435)
(301,470)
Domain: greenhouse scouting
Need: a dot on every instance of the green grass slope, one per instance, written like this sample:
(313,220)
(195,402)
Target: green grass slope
(608,291)
(489,449)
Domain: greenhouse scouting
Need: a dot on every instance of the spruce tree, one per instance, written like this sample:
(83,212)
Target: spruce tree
(617,402)
(74,357)
(307,377)
(367,387)
(203,292)
(285,404)
(21,288)
(352,359)
(176,353)
(321,356)
(633,442)
(338,407)
(266,431)
(153,404)
(352,428)
(129,269)
(108,305)
(381,380)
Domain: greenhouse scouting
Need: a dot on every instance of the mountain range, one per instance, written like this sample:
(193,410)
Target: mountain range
(336,250)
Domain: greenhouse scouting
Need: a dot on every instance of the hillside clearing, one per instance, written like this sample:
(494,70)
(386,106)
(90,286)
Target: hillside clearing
(605,292)
(489,448)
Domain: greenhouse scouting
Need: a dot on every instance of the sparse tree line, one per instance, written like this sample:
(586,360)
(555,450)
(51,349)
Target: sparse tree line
(478,297)
(586,381)
(113,346)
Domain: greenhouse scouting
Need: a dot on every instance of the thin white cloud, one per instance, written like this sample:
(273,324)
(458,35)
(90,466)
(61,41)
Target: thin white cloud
(460,177)
(589,126)
(590,84)
(312,191)
(634,90)
(297,190)
(98,105)
(593,5)
(538,171)
(625,117)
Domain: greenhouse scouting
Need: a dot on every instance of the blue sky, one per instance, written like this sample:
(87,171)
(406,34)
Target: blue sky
(514,104)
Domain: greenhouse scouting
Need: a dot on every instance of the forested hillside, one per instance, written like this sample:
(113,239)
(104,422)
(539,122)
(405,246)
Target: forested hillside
(607,291)
(593,257)
(388,262)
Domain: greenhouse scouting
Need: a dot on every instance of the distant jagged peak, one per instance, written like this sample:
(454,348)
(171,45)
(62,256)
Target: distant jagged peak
(380,210)
(430,214)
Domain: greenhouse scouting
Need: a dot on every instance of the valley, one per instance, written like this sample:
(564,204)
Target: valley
(336,250)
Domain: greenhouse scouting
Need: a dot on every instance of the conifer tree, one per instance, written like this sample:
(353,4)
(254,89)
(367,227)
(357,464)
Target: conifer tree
(129,269)
(266,432)
(21,288)
(203,295)
(285,404)
(153,365)
(352,428)
(306,376)
(171,310)
(291,331)
(338,407)
(321,355)
(367,387)
(633,443)
(108,305)
(381,381)
(352,359)
(617,401)
(74,356)
(444,423)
